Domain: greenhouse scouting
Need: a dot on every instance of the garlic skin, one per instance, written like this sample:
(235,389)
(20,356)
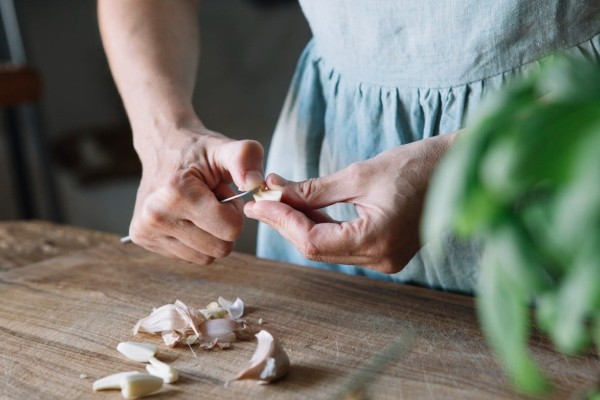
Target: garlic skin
(171,317)
(111,381)
(138,385)
(164,371)
(140,352)
(235,309)
(269,362)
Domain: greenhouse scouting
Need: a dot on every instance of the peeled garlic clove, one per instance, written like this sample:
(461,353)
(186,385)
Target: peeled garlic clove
(162,370)
(234,309)
(139,385)
(269,362)
(267,194)
(111,381)
(222,329)
(137,351)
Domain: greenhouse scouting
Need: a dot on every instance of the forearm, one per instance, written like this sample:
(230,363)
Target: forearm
(153,49)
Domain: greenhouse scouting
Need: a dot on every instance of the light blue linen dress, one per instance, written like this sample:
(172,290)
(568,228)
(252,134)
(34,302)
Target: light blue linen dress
(383,73)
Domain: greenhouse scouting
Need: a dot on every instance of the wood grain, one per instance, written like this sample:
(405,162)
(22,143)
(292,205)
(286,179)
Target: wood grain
(64,316)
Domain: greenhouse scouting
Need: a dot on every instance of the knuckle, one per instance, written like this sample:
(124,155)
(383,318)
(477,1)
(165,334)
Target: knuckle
(310,188)
(155,217)
(223,249)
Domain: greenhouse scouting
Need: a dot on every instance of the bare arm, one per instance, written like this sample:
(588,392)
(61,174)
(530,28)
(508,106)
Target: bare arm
(153,48)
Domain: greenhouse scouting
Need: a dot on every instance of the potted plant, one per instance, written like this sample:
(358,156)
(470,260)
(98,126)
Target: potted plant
(524,179)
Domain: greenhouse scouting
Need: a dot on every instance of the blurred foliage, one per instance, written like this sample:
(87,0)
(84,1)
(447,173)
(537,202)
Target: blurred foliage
(525,178)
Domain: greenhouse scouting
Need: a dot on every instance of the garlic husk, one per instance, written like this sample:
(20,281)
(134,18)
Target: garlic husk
(235,309)
(171,338)
(138,385)
(170,317)
(162,370)
(140,352)
(269,362)
(111,381)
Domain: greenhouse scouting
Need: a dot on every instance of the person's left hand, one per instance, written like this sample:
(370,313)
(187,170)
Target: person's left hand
(388,193)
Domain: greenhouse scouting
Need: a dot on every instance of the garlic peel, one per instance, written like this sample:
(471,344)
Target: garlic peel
(269,361)
(140,352)
(177,317)
(111,381)
(235,309)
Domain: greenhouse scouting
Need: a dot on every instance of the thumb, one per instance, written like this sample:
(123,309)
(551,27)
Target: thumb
(315,193)
(243,160)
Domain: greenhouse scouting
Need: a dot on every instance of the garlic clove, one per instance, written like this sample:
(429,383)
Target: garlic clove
(269,362)
(112,381)
(234,309)
(140,352)
(138,385)
(222,329)
(267,194)
(162,370)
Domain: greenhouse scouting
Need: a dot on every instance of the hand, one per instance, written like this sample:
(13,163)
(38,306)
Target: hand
(388,193)
(185,173)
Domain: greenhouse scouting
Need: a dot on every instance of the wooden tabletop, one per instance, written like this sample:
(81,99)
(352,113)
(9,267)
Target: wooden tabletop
(69,296)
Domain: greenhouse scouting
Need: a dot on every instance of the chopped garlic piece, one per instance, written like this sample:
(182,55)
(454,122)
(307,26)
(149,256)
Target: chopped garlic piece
(162,370)
(111,381)
(137,351)
(138,385)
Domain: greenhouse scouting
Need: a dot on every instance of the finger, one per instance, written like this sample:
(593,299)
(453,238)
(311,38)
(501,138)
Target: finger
(326,242)
(315,193)
(190,199)
(199,240)
(243,160)
(175,250)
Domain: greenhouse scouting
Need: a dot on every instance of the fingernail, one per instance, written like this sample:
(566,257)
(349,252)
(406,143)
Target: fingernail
(253,180)
(277,182)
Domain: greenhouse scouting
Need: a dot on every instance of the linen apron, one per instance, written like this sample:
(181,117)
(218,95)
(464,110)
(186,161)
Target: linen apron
(382,73)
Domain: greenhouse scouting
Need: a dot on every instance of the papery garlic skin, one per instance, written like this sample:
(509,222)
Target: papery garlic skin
(140,352)
(111,381)
(171,317)
(138,385)
(235,309)
(269,361)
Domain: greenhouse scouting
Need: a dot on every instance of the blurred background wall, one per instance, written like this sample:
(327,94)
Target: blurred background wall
(249,51)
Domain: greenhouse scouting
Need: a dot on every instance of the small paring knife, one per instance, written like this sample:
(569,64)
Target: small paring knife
(127,239)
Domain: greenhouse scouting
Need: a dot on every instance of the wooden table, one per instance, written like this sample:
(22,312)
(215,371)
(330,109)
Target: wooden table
(69,296)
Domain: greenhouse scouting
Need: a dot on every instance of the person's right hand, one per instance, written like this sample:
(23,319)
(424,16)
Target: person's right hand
(185,174)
